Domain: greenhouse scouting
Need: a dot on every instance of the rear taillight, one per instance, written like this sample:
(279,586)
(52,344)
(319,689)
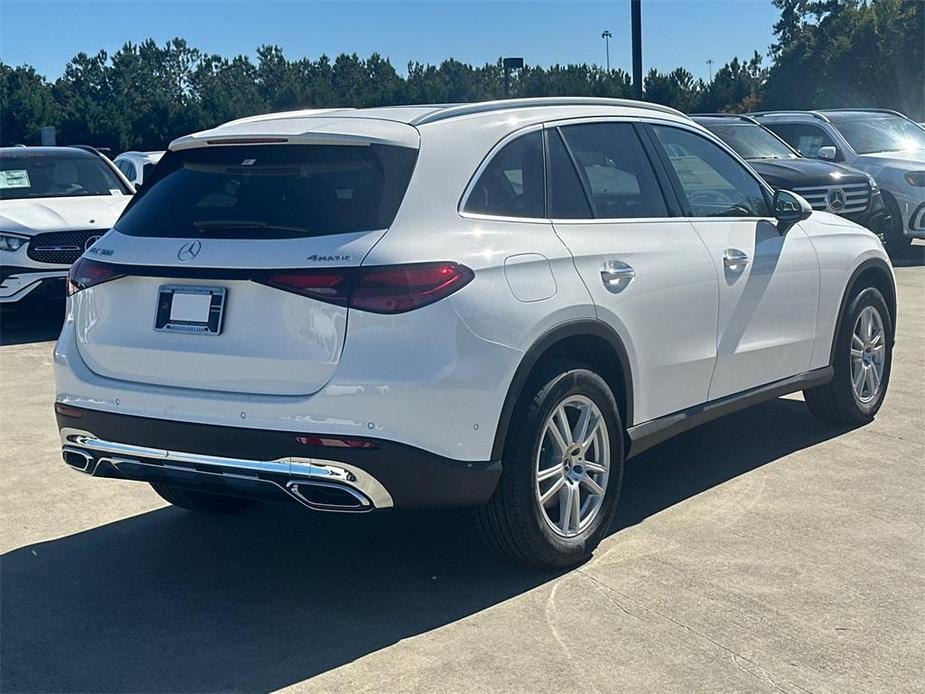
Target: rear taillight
(382,289)
(85,273)
(331,287)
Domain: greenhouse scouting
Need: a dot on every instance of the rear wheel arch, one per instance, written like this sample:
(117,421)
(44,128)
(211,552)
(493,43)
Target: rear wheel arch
(874,272)
(589,342)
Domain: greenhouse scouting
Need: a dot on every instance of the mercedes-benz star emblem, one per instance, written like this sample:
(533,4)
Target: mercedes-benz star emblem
(836,200)
(189,250)
(91,240)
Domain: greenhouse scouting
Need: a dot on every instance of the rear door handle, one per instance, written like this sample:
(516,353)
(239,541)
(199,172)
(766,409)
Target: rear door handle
(735,260)
(616,276)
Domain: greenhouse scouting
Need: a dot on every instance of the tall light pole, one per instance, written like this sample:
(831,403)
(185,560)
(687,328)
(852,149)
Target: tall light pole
(636,27)
(607,36)
(710,66)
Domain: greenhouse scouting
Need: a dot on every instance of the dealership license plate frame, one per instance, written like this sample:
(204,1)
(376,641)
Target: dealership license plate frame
(210,320)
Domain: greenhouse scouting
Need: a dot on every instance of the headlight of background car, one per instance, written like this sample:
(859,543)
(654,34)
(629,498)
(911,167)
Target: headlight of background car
(11,243)
(874,188)
(916,178)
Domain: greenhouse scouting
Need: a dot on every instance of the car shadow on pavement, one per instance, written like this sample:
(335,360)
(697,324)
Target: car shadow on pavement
(172,601)
(34,322)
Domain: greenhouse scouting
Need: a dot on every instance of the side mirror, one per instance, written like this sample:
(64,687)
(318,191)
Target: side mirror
(829,153)
(789,208)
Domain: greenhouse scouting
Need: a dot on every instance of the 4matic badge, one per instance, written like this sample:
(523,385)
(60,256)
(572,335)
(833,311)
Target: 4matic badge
(329,258)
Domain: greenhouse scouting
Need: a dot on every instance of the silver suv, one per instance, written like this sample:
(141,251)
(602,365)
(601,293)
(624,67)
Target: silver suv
(885,144)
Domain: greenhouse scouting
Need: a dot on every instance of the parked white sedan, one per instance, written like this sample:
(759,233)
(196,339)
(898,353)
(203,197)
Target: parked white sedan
(55,202)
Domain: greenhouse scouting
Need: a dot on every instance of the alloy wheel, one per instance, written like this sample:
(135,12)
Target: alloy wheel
(572,465)
(868,355)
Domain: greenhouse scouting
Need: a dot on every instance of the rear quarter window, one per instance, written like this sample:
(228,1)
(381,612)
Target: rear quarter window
(271,191)
(513,183)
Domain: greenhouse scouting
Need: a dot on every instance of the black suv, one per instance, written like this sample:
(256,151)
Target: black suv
(827,186)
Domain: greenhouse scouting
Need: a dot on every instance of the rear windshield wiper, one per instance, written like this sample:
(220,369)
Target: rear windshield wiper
(207,224)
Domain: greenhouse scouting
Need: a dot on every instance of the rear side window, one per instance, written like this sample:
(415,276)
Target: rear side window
(615,170)
(714,183)
(803,137)
(513,184)
(271,191)
(566,195)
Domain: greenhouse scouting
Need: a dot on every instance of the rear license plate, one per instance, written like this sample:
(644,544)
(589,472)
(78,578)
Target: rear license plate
(185,309)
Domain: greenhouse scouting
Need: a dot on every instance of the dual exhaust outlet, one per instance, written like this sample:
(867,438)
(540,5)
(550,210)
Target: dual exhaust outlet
(316,484)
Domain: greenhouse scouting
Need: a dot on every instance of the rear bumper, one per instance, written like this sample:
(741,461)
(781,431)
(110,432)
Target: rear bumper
(269,464)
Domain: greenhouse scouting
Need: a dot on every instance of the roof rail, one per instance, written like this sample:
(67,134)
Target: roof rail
(814,114)
(104,152)
(740,116)
(506,104)
(869,110)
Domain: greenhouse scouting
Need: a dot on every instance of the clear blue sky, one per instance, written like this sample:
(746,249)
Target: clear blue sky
(47,34)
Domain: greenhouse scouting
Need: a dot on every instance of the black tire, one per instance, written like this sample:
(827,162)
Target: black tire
(896,242)
(837,401)
(202,502)
(512,523)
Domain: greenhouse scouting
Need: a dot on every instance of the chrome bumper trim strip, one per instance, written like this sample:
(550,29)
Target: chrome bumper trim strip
(372,494)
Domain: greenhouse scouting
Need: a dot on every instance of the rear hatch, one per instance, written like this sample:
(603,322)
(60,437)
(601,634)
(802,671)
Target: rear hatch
(226,272)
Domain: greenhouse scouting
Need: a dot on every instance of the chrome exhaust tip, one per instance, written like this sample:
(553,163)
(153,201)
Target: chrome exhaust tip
(326,496)
(80,460)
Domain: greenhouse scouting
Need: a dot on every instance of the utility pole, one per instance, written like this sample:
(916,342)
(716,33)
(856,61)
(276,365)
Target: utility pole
(607,36)
(710,66)
(636,26)
(510,64)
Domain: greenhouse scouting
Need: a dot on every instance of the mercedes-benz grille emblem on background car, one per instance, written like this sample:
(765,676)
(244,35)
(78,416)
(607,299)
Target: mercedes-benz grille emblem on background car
(90,241)
(836,200)
(189,250)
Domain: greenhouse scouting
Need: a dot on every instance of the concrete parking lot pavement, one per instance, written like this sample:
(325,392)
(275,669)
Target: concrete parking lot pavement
(760,553)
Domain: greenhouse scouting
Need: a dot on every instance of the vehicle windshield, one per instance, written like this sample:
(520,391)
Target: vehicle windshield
(271,191)
(751,141)
(59,173)
(879,133)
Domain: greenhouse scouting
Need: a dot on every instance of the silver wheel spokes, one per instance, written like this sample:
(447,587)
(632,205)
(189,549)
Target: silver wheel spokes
(868,356)
(572,465)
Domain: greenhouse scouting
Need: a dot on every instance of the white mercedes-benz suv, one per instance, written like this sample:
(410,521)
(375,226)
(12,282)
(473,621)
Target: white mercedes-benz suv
(490,305)
(55,202)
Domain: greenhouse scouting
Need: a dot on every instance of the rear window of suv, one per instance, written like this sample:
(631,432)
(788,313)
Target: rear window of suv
(271,191)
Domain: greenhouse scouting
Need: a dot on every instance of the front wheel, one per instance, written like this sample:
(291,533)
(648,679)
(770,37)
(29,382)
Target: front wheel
(863,358)
(561,471)
(201,501)
(894,240)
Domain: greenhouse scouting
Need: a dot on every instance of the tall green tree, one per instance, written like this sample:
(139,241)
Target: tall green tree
(849,53)
(826,53)
(26,104)
(676,88)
